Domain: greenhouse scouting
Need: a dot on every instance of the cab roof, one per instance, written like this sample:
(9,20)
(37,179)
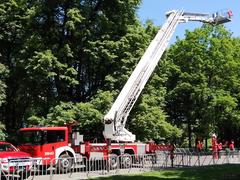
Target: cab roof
(43,128)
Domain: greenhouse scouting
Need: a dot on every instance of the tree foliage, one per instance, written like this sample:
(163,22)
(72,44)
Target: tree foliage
(58,51)
(3,76)
(66,61)
(203,85)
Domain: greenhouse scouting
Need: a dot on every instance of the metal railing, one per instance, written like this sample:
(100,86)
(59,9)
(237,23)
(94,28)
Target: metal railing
(65,168)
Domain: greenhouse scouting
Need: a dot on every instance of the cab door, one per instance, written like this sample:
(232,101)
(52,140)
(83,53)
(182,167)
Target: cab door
(52,139)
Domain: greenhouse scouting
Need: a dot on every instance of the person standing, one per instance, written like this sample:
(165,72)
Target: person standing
(199,146)
(214,146)
(231,147)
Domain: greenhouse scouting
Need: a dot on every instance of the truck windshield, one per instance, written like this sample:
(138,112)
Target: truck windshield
(31,137)
(7,148)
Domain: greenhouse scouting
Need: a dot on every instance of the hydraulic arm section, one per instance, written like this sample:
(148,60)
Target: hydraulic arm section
(116,118)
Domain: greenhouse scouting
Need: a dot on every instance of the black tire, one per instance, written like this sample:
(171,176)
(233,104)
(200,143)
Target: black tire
(113,161)
(65,163)
(126,161)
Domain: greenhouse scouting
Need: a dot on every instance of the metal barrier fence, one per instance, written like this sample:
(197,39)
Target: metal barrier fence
(70,168)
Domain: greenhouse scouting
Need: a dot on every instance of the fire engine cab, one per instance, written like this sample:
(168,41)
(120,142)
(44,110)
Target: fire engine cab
(49,144)
(62,146)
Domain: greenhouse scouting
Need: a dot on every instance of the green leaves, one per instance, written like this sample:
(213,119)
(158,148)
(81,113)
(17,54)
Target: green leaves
(202,91)
(3,75)
(74,18)
(43,64)
(150,123)
(3,134)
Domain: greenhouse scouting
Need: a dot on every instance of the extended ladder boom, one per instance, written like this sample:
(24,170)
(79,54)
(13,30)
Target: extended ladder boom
(116,118)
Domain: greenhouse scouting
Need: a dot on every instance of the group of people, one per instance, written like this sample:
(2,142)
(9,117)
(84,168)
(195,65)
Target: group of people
(217,146)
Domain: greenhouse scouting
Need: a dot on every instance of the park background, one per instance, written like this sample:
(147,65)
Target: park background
(66,61)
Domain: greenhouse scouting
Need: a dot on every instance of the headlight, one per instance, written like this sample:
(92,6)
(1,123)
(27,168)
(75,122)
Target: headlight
(4,160)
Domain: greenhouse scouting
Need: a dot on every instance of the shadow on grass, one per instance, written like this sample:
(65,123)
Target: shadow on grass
(222,172)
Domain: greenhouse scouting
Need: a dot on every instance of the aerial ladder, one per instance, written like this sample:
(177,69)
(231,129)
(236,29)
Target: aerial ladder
(115,119)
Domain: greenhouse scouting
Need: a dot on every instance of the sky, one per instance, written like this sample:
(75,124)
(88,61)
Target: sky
(155,10)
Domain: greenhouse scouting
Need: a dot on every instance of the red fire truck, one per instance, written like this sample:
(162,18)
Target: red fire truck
(63,144)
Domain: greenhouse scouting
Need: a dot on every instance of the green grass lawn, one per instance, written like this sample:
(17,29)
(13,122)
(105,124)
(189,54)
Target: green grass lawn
(223,172)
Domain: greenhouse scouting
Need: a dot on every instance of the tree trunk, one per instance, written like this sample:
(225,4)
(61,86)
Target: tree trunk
(189,134)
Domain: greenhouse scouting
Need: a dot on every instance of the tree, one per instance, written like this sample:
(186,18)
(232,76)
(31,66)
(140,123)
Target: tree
(89,115)
(203,77)
(3,76)
(148,118)
(149,109)
(58,51)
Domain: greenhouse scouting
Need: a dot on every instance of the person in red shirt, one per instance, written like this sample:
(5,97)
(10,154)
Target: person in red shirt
(231,147)
(214,146)
(199,146)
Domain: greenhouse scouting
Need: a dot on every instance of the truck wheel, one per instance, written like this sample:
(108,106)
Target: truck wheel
(65,163)
(113,161)
(126,161)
